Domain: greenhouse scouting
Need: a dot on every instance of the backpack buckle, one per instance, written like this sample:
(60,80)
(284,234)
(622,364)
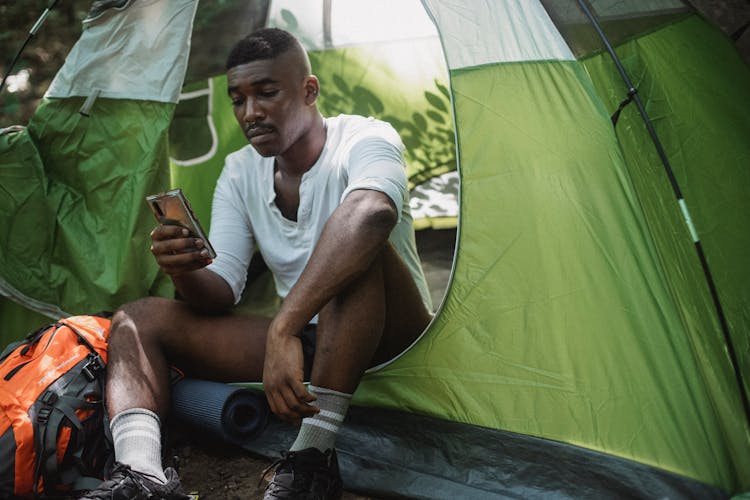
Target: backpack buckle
(43,416)
(93,367)
(48,398)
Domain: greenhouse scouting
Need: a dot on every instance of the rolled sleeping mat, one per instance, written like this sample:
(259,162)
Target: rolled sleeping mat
(234,414)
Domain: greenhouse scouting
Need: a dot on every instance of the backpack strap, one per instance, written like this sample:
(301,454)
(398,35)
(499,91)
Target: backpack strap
(54,408)
(50,416)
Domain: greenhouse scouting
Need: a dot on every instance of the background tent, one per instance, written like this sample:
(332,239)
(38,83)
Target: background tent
(579,349)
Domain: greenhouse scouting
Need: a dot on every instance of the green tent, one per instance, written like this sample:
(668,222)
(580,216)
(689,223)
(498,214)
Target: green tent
(595,337)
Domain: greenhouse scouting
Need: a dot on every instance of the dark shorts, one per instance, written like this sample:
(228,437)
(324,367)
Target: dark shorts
(307,336)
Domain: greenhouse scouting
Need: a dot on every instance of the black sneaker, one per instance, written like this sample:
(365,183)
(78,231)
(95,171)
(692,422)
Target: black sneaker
(127,484)
(307,474)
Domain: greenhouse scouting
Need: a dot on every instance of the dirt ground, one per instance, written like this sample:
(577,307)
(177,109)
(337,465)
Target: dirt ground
(216,471)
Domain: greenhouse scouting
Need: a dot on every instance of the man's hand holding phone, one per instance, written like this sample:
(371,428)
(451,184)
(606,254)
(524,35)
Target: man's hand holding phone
(178,243)
(177,251)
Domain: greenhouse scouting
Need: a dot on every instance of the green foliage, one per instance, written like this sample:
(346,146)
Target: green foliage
(43,55)
(429,137)
(426,126)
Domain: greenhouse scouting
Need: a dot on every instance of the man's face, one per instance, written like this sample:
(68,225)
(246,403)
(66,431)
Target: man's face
(268,98)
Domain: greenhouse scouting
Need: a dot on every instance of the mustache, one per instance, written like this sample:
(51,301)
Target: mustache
(258,125)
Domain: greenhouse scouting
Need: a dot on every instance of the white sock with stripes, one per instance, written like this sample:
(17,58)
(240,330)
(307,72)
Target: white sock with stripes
(320,431)
(137,437)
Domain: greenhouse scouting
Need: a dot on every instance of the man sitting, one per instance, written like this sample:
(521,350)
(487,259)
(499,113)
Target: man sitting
(325,200)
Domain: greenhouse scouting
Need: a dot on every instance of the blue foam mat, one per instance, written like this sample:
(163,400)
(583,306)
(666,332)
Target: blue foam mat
(234,414)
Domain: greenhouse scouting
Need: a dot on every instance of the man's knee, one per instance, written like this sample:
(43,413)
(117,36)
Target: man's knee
(144,318)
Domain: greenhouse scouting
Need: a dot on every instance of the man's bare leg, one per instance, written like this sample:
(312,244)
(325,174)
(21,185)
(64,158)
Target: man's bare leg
(375,318)
(149,334)
(372,320)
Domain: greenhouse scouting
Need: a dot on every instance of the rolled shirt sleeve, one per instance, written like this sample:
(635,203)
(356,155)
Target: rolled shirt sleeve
(377,163)
(231,233)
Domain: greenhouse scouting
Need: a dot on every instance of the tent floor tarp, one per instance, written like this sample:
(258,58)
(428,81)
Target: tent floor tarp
(384,452)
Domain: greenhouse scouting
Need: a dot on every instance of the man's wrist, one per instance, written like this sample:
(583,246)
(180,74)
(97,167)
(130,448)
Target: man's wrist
(281,327)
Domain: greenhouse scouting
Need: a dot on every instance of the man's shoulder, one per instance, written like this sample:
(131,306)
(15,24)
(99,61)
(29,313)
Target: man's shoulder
(354,123)
(354,127)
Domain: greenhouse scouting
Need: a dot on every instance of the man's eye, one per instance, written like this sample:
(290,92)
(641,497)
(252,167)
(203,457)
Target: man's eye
(268,93)
(236,102)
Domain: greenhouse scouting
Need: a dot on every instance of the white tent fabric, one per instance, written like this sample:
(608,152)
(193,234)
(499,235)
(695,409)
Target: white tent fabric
(506,31)
(147,28)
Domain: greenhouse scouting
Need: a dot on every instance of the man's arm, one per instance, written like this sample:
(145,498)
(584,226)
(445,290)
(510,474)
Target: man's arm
(350,241)
(352,237)
(184,259)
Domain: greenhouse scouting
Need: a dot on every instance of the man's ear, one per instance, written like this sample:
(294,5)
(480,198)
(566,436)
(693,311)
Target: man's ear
(312,88)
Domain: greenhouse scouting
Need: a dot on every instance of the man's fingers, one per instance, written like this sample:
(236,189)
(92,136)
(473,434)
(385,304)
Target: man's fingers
(168,232)
(301,392)
(271,397)
(291,403)
(282,378)
(182,262)
(303,397)
(181,246)
(301,409)
(280,407)
(291,408)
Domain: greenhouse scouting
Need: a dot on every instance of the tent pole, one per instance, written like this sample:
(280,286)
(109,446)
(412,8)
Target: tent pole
(327,37)
(633,94)
(31,34)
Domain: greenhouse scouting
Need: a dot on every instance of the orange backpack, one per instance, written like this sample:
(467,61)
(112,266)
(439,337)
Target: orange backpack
(53,430)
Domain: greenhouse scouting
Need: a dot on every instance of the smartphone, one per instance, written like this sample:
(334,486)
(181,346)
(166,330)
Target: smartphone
(173,208)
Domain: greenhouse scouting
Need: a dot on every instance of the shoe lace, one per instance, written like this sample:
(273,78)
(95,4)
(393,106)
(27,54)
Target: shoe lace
(116,476)
(280,489)
(119,473)
(273,466)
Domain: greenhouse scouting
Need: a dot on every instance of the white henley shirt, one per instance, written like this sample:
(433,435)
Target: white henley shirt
(359,153)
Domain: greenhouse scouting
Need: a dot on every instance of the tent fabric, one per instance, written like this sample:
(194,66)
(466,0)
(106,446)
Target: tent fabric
(427,458)
(82,179)
(351,23)
(18,320)
(577,314)
(570,293)
(565,298)
(121,53)
(508,31)
(621,20)
(694,122)
(85,194)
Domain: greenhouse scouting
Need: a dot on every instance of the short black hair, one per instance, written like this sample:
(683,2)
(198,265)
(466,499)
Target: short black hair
(265,43)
